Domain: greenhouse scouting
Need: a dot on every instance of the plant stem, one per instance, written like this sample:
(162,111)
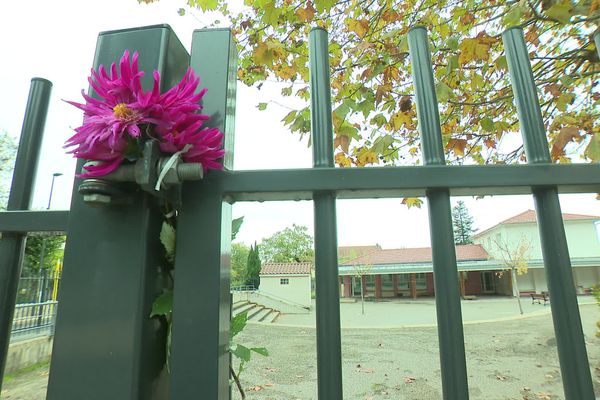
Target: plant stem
(237,382)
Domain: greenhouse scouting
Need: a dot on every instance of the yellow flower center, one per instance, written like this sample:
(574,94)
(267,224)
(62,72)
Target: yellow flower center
(121,111)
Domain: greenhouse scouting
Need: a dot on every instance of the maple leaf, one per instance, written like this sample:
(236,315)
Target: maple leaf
(412,202)
(457,146)
(565,136)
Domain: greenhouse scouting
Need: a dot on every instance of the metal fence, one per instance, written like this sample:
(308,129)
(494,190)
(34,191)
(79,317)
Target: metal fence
(33,319)
(108,334)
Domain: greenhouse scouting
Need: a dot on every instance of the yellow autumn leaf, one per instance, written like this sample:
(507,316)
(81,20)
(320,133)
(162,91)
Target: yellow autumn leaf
(457,146)
(475,49)
(412,202)
(400,119)
(342,160)
(358,26)
(366,156)
(307,13)
(263,54)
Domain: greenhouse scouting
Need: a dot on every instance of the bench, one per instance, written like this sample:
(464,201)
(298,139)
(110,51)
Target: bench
(539,297)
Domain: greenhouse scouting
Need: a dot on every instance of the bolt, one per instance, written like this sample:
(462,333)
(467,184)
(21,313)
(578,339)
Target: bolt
(96,199)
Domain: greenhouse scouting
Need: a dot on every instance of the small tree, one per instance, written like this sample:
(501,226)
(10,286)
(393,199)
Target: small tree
(515,258)
(42,252)
(8,153)
(289,245)
(239,261)
(462,222)
(253,267)
(359,270)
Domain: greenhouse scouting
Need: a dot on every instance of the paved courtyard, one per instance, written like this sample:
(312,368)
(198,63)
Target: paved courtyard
(395,313)
(508,358)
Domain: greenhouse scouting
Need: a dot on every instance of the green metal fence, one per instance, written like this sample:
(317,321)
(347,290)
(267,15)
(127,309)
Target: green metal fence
(105,346)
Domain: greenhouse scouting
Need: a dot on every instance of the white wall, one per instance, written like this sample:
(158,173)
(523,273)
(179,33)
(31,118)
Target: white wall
(297,291)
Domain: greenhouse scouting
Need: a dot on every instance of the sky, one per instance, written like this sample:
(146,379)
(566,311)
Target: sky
(56,40)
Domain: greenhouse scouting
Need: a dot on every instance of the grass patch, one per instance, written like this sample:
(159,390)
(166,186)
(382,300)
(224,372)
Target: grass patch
(13,375)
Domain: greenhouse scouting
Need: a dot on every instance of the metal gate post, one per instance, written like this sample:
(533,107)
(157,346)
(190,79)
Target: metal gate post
(445,273)
(329,353)
(106,346)
(572,354)
(12,245)
(201,309)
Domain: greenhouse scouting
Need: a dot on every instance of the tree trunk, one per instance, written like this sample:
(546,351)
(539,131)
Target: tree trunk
(516,292)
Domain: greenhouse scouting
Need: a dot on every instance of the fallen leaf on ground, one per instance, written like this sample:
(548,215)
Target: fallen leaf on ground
(409,379)
(256,388)
(268,384)
(501,377)
(544,396)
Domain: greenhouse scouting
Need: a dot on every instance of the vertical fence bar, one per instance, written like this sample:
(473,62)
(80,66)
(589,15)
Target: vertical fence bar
(201,312)
(570,342)
(329,353)
(106,345)
(445,273)
(12,244)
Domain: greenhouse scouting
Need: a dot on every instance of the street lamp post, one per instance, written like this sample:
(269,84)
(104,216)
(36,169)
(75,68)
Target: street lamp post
(44,275)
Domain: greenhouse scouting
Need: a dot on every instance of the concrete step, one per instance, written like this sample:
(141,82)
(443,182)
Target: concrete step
(238,304)
(258,317)
(271,317)
(245,308)
(256,310)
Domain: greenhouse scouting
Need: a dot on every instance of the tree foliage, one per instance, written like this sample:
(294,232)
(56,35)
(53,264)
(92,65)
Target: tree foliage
(239,261)
(289,245)
(462,223)
(253,267)
(8,153)
(52,247)
(374,114)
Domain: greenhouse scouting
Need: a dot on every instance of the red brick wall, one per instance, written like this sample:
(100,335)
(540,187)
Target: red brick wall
(473,283)
(430,286)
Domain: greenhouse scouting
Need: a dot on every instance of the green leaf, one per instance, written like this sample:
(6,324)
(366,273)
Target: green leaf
(566,80)
(237,324)
(289,118)
(287,91)
(167,238)
(487,124)
(324,5)
(181,12)
(561,11)
(452,43)
(444,92)
(501,62)
(262,106)
(452,64)
(205,5)
(242,352)
(513,17)
(163,304)
(563,101)
(592,150)
(261,350)
(236,224)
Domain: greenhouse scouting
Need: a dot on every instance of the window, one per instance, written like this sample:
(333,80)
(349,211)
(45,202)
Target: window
(597,226)
(284,281)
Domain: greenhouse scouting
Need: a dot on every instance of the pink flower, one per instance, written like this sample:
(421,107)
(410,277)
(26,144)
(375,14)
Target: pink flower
(116,123)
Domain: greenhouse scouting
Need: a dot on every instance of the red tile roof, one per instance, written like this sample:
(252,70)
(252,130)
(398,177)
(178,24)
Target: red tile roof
(529,216)
(469,252)
(286,268)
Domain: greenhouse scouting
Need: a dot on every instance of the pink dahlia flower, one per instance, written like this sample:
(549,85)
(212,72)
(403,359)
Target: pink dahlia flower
(117,122)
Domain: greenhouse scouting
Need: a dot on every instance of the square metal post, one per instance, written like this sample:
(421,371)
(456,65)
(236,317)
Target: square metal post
(12,245)
(106,346)
(201,310)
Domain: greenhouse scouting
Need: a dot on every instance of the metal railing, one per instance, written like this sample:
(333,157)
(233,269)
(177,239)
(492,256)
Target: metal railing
(199,360)
(34,319)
